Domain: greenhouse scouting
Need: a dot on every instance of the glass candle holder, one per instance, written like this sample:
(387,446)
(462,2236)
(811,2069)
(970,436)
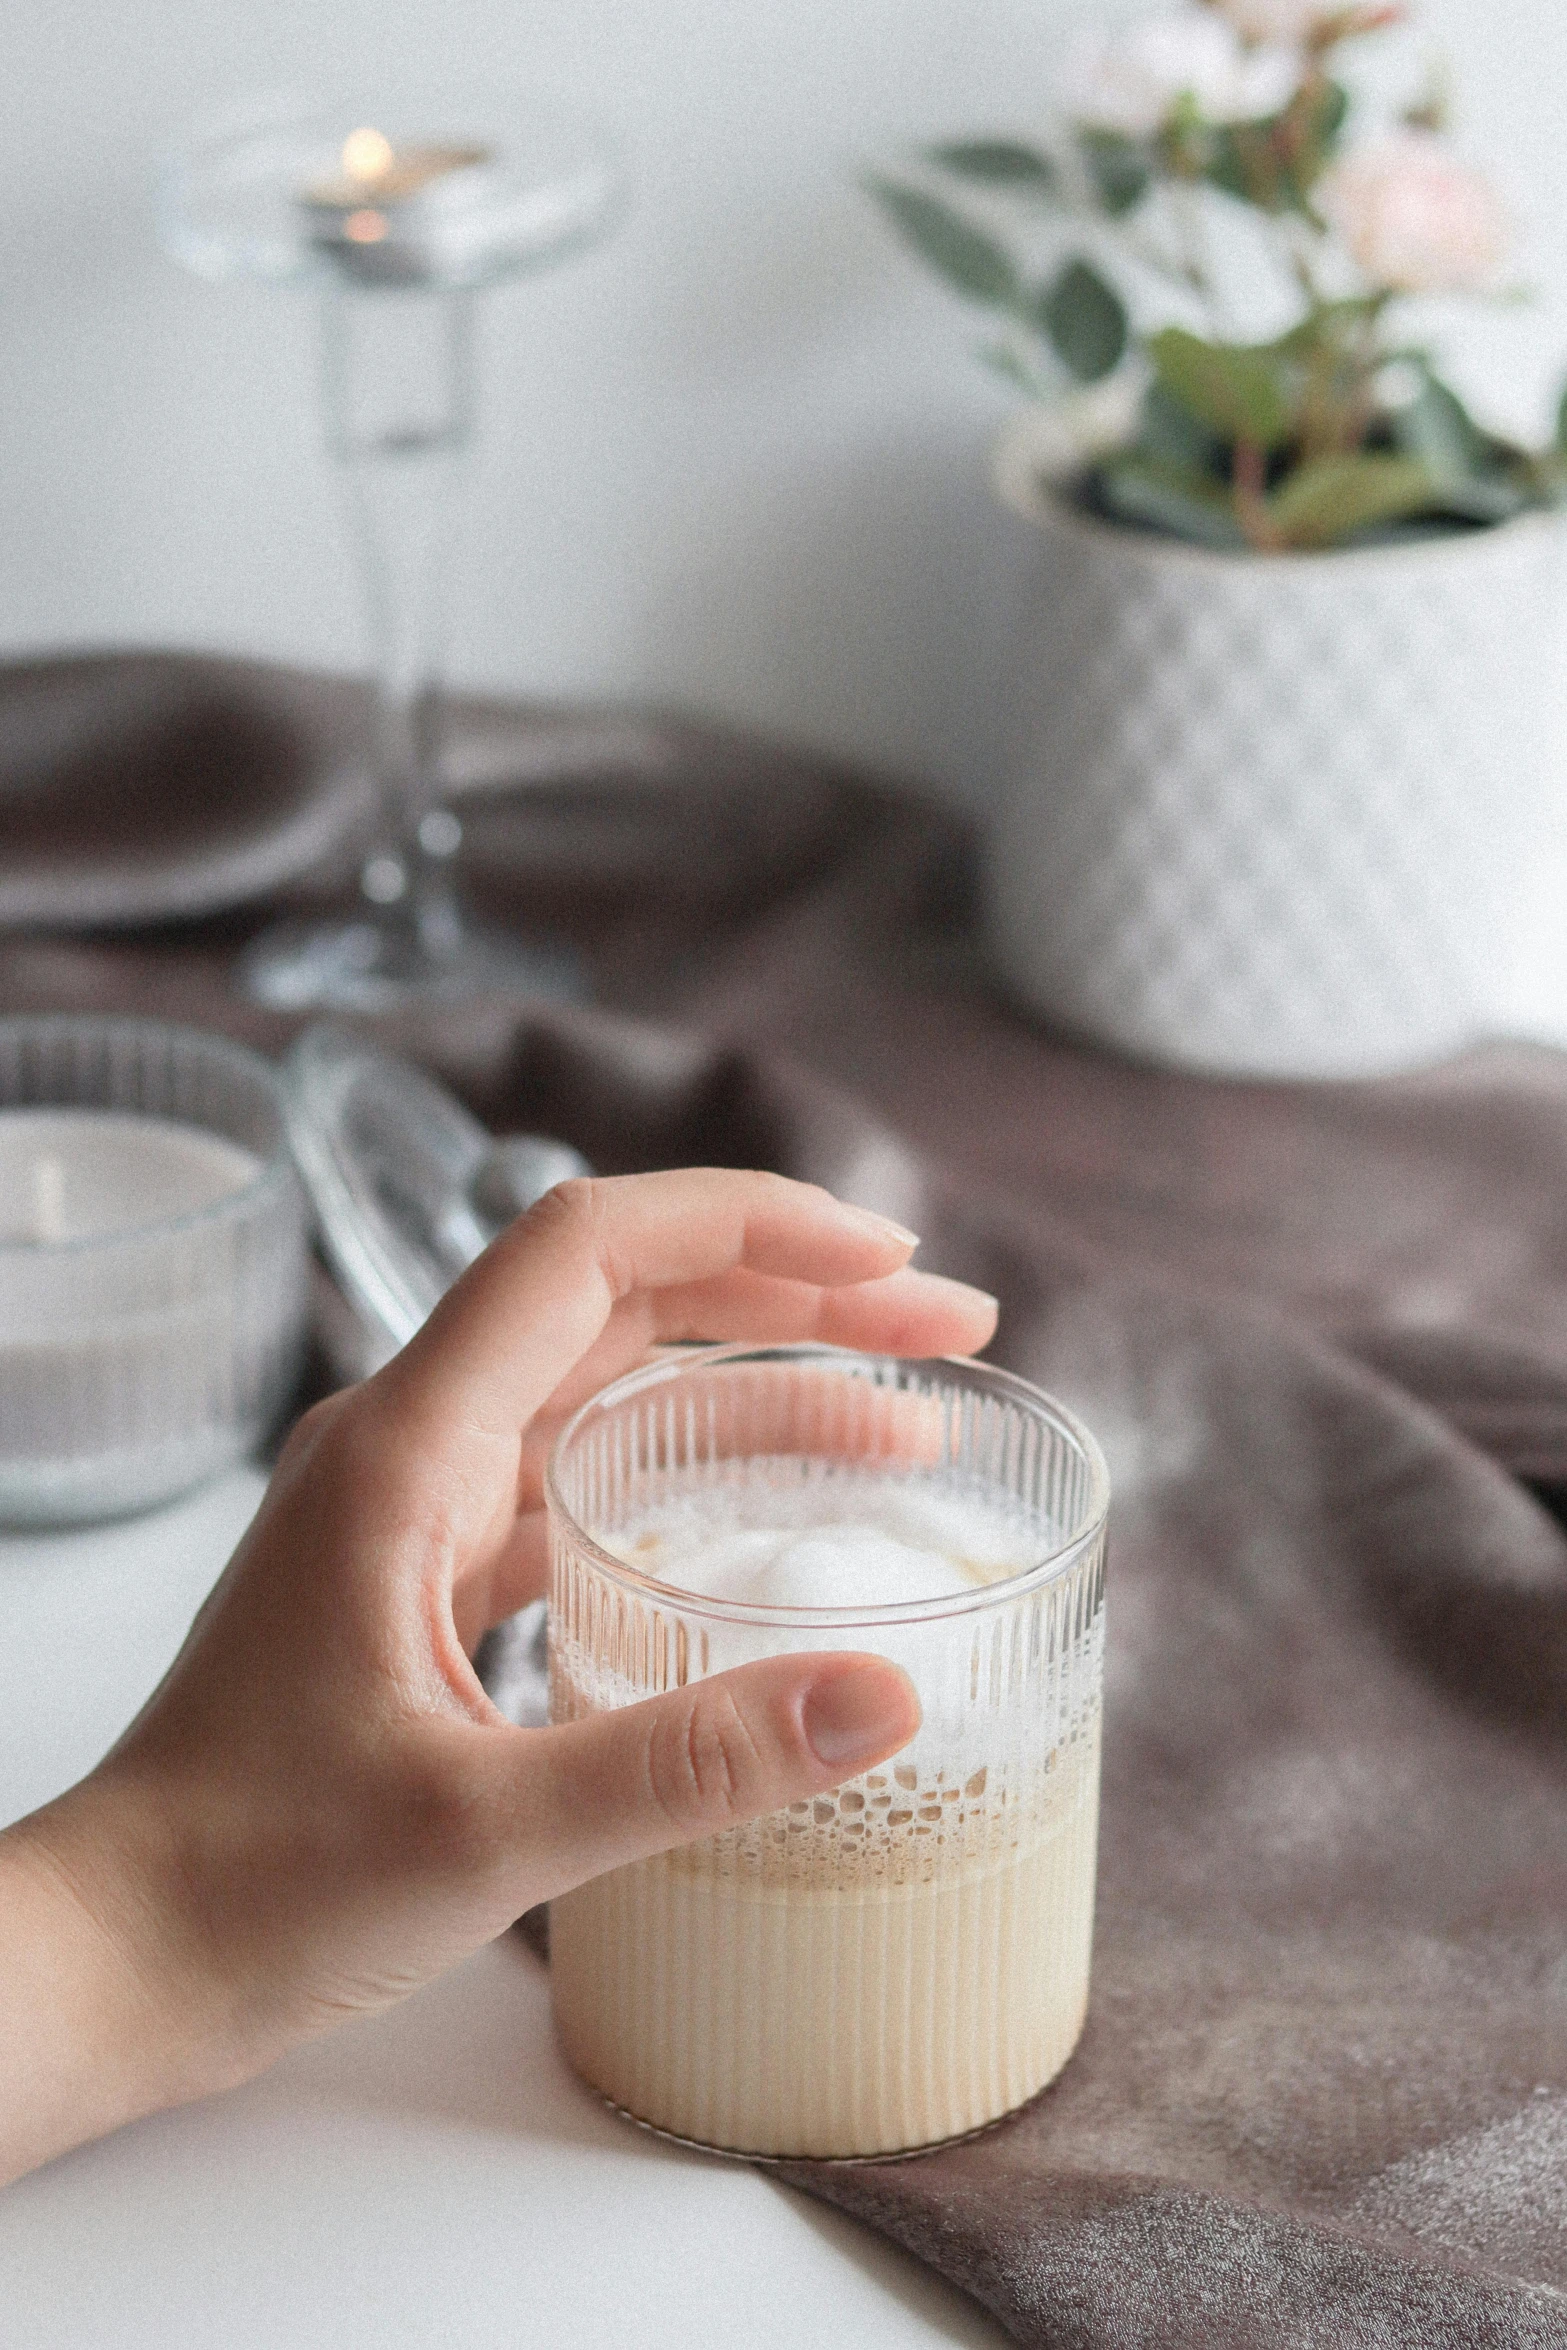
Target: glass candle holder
(153,1263)
(905,1960)
(400,210)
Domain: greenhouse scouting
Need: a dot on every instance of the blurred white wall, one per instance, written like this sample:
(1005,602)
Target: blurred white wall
(734,459)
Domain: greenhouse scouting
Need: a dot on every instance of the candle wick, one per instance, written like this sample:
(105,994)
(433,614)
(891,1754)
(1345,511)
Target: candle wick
(48,1201)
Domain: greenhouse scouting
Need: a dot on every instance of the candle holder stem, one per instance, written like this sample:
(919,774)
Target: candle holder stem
(397,382)
(398,401)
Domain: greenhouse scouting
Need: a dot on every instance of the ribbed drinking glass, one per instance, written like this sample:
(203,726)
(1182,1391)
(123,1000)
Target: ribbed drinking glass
(904,1960)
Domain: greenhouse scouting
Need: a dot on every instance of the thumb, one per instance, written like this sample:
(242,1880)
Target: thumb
(619,1786)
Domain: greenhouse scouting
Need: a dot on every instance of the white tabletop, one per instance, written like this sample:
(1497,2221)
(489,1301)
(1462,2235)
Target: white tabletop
(435,2175)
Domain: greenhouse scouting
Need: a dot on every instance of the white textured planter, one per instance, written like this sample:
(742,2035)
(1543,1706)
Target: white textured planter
(1284,816)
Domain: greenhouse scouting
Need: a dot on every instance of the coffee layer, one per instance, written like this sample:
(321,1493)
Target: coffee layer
(861,2017)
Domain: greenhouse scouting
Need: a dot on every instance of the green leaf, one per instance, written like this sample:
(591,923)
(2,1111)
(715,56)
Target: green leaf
(1225,166)
(962,254)
(1561,425)
(1241,391)
(1437,428)
(1472,475)
(1085,319)
(1170,435)
(1118,169)
(1329,324)
(997,163)
(1496,499)
(1330,499)
(1328,118)
(1549,486)
(1332,114)
(1164,497)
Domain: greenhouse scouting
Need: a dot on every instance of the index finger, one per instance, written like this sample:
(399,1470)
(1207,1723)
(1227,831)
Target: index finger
(500,1343)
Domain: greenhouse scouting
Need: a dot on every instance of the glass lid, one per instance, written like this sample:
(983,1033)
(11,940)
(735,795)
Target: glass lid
(406,1184)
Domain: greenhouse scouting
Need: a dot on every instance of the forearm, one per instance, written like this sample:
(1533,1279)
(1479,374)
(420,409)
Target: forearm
(91,2026)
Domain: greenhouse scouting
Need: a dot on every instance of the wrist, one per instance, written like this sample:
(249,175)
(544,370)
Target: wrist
(107,2015)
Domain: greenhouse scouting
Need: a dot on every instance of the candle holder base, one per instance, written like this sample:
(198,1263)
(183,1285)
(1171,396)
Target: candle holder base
(363,965)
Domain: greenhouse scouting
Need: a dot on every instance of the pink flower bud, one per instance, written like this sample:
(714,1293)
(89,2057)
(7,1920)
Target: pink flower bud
(1416,219)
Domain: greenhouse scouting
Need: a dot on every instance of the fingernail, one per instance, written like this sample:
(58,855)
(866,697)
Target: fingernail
(964,1289)
(882,1227)
(859,1713)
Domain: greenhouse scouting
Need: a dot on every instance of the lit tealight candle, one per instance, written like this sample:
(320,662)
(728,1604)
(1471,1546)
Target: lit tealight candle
(382,214)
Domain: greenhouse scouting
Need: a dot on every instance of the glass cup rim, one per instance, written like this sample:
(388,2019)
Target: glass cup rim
(275,1166)
(675,1363)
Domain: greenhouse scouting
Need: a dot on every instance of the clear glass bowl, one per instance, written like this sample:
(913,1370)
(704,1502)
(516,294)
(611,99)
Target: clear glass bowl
(906,1960)
(136,1362)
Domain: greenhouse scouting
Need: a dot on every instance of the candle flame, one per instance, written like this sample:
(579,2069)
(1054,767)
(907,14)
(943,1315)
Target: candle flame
(367,155)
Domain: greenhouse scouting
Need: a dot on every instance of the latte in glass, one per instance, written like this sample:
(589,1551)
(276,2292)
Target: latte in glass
(906,1959)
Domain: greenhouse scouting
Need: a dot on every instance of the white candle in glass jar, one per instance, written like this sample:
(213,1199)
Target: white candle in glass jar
(153,1263)
(72,1175)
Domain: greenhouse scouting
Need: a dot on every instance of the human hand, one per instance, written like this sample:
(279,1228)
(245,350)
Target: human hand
(319,1809)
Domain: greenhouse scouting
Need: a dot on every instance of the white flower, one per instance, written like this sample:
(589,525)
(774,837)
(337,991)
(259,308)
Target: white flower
(1289,22)
(1416,219)
(1132,81)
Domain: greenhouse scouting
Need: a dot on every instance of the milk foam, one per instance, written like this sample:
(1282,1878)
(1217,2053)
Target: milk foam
(849,1542)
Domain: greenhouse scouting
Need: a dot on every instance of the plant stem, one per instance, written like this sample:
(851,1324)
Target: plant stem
(1249,488)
